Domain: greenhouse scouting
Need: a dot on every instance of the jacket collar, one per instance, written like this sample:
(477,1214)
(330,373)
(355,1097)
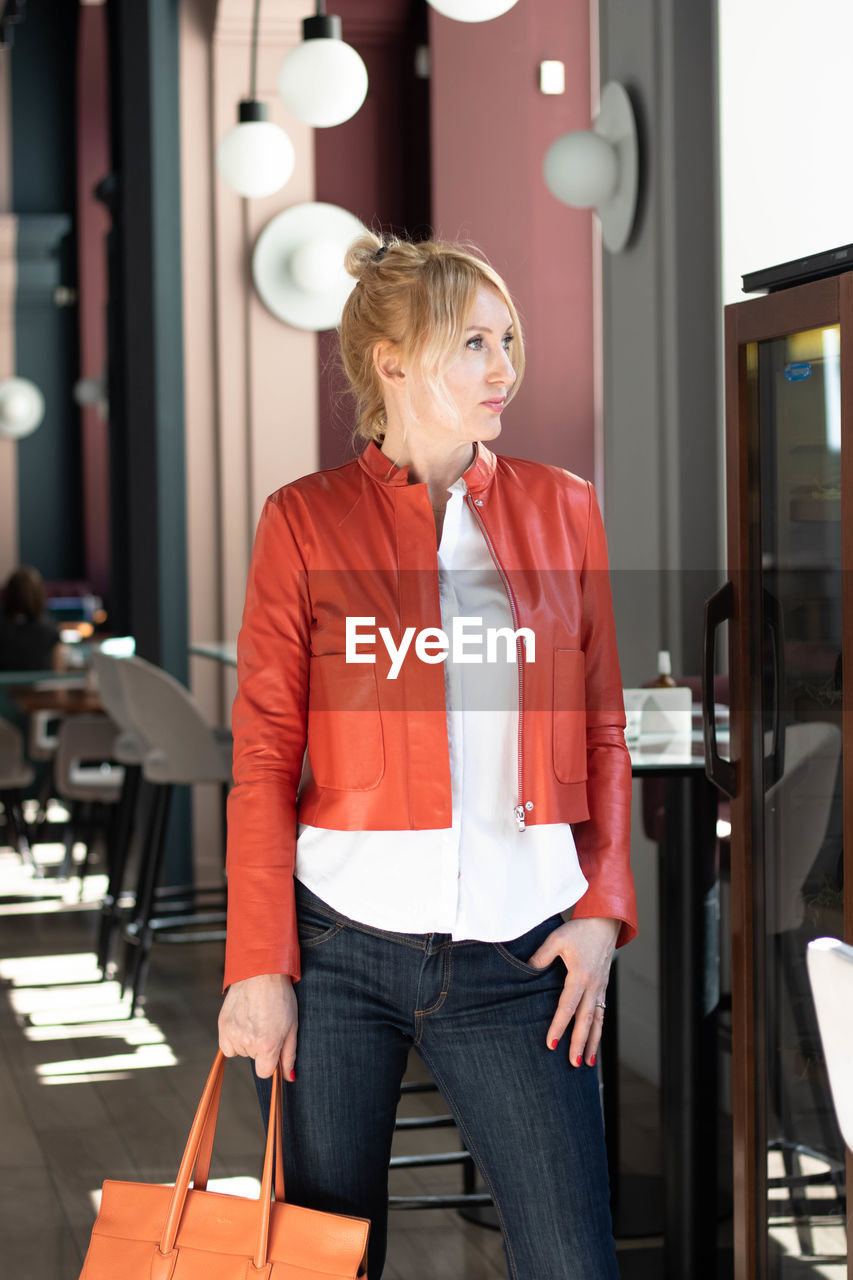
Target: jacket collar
(477,478)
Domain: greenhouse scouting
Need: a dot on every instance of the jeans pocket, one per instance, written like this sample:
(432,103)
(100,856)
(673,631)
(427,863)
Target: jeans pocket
(314,926)
(314,935)
(518,951)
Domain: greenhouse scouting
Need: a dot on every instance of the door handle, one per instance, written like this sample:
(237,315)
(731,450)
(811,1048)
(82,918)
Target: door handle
(774,761)
(719,608)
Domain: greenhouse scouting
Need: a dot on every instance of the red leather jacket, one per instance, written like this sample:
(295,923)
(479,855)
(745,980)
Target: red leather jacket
(359,541)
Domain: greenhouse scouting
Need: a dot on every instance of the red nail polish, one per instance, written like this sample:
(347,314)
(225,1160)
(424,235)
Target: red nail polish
(578,1060)
(592,1061)
(292,1074)
(554,1044)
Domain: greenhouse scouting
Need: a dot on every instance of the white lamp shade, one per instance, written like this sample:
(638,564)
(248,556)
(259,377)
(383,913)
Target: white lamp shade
(601,168)
(89,392)
(323,82)
(581,169)
(256,158)
(472,10)
(318,266)
(298,264)
(21,408)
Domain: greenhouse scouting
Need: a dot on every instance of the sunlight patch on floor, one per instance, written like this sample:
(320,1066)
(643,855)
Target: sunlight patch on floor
(109,1067)
(61,998)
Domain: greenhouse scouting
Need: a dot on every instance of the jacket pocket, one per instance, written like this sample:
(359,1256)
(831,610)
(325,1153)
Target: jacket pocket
(569,744)
(345,744)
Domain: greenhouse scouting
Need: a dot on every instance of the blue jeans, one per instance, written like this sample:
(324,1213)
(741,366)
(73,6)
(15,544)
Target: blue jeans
(477,1014)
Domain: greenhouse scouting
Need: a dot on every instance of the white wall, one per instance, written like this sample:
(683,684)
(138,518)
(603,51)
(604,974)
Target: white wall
(786,126)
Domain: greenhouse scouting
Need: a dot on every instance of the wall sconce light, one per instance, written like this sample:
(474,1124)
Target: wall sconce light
(21,408)
(256,157)
(298,264)
(323,80)
(472,10)
(599,168)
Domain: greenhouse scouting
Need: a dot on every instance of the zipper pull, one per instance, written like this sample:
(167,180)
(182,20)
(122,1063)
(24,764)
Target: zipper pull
(519,816)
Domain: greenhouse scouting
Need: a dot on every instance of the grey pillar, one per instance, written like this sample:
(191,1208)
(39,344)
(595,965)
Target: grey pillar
(146,352)
(661,308)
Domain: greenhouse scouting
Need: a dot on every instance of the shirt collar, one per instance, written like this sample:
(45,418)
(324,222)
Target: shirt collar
(477,478)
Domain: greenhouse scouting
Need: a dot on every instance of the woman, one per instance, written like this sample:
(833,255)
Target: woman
(29,638)
(451,806)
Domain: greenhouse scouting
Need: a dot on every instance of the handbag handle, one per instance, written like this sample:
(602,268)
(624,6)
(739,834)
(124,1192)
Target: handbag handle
(198,1150)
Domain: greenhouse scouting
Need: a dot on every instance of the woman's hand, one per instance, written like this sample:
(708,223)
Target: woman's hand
(258,1019)
(586,947)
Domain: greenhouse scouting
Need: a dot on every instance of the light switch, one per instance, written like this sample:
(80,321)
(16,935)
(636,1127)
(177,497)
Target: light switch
(552,76)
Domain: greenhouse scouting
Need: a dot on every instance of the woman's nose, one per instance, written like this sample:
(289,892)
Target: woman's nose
(502,370)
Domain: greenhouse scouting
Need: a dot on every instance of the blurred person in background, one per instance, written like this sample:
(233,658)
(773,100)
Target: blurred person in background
(29,638)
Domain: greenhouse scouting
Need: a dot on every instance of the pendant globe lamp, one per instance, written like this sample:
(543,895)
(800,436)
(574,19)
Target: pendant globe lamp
(21,408)
(472,10)
(323,81)
(256,157)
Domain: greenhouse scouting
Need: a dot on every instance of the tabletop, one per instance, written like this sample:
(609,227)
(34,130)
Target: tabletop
(681,752)
(220,651)
(64,700)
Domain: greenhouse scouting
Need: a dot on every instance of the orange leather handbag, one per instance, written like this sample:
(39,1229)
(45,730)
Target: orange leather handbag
(148,1232)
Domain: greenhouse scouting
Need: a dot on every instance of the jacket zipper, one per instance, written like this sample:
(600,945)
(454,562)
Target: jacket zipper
(518,809)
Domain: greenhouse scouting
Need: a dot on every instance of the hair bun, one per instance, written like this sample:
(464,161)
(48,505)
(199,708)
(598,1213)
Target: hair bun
(361,253)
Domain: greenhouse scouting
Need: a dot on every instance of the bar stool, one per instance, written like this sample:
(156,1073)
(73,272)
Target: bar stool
(182,750)
(470,1202)
(86,775)
(129,750)
(42,742)
(15,775)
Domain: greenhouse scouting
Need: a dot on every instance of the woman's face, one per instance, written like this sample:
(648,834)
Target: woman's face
(479,379)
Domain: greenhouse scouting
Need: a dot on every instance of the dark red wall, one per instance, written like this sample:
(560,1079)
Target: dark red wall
(491,127)
(463,152)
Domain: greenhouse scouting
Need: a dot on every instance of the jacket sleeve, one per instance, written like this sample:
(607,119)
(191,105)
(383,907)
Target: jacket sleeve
(269,725)
(603,842)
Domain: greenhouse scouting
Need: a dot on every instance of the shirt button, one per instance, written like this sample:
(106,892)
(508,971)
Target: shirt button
(529,805)
(478,502)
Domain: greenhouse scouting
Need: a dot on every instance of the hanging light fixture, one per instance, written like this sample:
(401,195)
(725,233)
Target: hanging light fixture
(21,408)
(323,80)
(256,157)
(472,10)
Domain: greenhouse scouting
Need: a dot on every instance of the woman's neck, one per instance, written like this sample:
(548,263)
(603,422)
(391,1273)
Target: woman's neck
(429,463)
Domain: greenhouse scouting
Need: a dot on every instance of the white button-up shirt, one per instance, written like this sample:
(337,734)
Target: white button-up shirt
(481,878)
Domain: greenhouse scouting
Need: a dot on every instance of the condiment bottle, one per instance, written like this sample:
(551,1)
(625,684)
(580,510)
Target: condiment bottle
(665,679)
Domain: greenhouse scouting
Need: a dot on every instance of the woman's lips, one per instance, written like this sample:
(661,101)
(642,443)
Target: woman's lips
(494,405)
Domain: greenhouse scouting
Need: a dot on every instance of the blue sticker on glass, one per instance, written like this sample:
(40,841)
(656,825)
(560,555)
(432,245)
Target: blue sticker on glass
(798,372)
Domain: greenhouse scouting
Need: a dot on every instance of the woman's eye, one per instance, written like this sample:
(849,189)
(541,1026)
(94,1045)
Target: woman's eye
(508,339)
(476,344)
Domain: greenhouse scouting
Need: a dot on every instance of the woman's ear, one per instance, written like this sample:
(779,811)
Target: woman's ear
(388,364)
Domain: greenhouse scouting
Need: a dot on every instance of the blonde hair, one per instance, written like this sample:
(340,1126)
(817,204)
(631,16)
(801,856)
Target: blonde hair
(419,297)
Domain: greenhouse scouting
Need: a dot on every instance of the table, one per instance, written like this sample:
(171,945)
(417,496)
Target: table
(689,998)
(220,651)
(65,700)
(63,679)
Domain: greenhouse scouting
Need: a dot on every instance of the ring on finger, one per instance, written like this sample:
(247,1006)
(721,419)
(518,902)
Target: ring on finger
(600,1004)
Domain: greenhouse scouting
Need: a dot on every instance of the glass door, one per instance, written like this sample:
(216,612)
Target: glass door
(795,639)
